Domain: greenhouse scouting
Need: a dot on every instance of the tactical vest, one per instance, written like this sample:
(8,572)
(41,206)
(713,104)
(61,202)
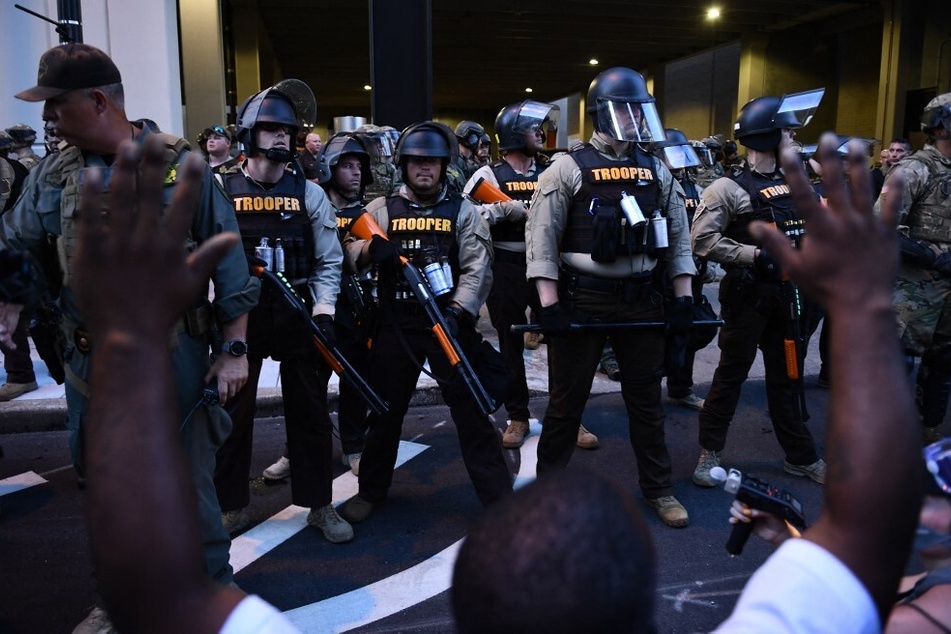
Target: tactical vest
(424,239)
(930,217)
(519,187)
(7,178)
(771,202)
(691,198)
(277,213)
(65,172)
(595,224)
(345,218)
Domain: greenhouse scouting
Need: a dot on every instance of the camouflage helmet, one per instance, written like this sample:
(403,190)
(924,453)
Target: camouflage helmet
(937,113)
(23,135)
(6,141)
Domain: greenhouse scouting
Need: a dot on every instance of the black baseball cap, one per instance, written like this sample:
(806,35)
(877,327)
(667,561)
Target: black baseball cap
(70,67)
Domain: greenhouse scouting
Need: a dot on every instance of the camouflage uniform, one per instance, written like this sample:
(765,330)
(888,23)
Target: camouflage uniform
(923,296)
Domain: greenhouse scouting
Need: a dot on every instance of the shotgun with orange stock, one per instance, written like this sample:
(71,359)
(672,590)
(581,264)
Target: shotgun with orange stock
(364,228)
(794,345)
(329,351)
(485,192)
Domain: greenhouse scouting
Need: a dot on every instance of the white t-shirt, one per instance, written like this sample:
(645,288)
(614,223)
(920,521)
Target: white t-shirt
(254,615)
(803,587)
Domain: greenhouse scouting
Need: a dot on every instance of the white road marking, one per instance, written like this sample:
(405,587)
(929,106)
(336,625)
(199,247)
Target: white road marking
(405,589)
(20,482)
(268,535)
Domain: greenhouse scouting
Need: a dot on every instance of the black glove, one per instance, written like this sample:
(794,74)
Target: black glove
(325,324)
(916,253)
(942,264)
(679,323)
(385,254)
(767,268)
(554,320)
(453,317)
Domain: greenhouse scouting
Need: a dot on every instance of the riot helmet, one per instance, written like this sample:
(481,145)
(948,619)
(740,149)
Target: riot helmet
(516,119)
(290,102)
(469,134)
(676,151)
(429,139)
(22,134)
(337,146)
(760,123)
(392,134)
(6,143)
(622,108)
(937,114)
(704,153)
(378,142)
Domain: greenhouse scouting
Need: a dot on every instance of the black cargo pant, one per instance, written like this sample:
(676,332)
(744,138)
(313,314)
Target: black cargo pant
(510,296)
(754,318)
(572,362)
(393,373)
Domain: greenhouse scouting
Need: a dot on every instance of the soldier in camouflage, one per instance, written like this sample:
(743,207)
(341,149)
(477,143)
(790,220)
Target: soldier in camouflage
(923,289)
(23,139)
(386,178)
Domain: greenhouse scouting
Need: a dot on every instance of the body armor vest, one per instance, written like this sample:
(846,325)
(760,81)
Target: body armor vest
(691,198)
(65,171)
(930,217)
(424,239)
(595,224)
(771,202)
(277,213)
(519,187)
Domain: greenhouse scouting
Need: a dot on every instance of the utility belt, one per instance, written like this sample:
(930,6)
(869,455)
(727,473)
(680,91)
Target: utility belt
(637,287)
(196,322)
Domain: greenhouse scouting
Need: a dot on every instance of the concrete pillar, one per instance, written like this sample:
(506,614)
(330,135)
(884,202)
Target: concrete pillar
(893,82)
(401,61)
(247,64)
(752,82)
(203,75)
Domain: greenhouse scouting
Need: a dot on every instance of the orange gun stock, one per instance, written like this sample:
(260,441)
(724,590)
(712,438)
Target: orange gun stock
(485,193)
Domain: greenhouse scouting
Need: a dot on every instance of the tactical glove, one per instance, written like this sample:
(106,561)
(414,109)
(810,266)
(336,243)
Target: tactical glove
(325,323)
(555,320)
(385,254)
(767,268)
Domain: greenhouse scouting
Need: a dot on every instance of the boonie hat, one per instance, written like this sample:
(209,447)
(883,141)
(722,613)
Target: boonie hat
(70,67)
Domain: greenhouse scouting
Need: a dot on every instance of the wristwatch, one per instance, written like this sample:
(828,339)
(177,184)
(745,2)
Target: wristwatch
(235,347)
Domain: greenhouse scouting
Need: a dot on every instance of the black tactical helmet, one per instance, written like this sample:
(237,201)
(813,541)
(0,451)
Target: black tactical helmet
(23,135)
(429,138)
(338,145)
(290,102)
(937,113)
(469,133)
(755,126)
(612,96)
(514,120)
(676,150)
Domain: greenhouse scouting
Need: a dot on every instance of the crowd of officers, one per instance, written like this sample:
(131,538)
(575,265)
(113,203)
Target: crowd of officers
(617,230)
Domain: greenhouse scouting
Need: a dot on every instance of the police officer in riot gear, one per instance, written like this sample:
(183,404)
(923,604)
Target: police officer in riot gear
(750,294)
(589,261)
(277,208)
(381,143)
(426,224)
(679,156)
(469,136)
(344,173)
(923,289)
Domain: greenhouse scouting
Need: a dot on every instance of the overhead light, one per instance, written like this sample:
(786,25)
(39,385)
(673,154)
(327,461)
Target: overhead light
(528,90)
(368,87)
(713,13)
(593,61)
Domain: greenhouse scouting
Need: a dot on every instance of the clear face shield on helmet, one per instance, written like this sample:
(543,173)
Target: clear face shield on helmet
(796,110)
(938,461)
(704,154)
(678,157)
(534,115)
(629,121)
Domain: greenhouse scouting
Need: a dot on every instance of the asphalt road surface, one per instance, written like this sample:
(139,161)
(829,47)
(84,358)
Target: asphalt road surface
(394,576)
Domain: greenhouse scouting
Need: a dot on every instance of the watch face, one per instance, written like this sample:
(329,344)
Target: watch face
(237,347)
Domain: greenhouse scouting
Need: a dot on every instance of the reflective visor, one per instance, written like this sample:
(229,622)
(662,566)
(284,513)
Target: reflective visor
(629,121)
(534,114)
(680,156)
(938,460)
(796,110)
